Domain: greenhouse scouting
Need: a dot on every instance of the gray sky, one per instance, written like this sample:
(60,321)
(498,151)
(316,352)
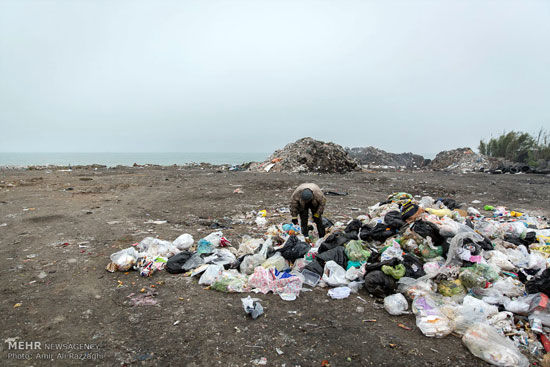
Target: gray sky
(252,76)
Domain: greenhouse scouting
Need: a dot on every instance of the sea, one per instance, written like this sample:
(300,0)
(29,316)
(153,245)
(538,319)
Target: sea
(126,159)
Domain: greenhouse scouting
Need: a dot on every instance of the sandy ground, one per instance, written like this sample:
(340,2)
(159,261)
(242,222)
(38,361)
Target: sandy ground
(57,230)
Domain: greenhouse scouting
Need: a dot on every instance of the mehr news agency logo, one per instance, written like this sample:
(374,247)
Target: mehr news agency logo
(36,350)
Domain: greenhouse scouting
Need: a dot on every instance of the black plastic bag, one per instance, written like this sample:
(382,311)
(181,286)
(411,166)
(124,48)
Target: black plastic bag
(353,226)
(539,284)
(379,284)
(174,265)
(450,203)
(336,254)
(294,249)
(428,229)
(530,237)
(334,240)
(381,232)
(393,219)
(413,266)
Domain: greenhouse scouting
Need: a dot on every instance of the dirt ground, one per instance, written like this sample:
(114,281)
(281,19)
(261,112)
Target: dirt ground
(57,230)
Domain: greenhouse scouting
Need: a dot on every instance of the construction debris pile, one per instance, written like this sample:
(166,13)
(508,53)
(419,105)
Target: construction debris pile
(377,158)
(481,276)
(309,155)
(460,160)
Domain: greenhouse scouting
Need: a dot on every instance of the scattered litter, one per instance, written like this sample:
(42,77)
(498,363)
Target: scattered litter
(456,266)
(339,292)
(252,307)
(156,222)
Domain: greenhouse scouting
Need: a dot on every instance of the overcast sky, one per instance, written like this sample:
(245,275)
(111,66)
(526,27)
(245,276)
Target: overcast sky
(252,76)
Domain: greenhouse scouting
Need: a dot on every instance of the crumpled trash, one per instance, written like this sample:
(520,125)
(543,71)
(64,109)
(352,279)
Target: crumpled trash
(124,260)
(211,274)
(294,248)
(379,284)
(184,242)
(396,304)
(484,342)
(339,292)
(429,318)
(334,275)
(175,264)
(252,307)
(355,251)
(285,284)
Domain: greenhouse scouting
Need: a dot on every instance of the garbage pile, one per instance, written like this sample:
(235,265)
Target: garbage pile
(481,276)
(377,158)
(460,160)
(309,155)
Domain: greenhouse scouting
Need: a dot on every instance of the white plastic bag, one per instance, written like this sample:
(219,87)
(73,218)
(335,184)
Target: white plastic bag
(184,242)
(125,259)
(339,292)
(250,262)
(394,251)
(214,238)
(334,275)
(249,245)
(396,304)
(499,259)
(429,318)
(212,273)
(484,342)
(153,247)
(276,261)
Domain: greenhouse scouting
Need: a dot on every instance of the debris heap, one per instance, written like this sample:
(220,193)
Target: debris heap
(309,155)
(374,157)
(459,160)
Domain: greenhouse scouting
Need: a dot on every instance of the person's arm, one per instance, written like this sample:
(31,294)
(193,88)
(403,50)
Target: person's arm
(294,206)
(320,208)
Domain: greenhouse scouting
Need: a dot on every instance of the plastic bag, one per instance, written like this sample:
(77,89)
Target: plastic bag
(175,264)
(429,319)
(396,304)
(353,273)
(250,262)
(396,272)
(339,292)
(276,261)
(183,242)
(394,251)
(125,259)
(484,342)
(471,312)
(334,275)
(212,273)
(499,259)
(194,261)
(153,247)
(252,307)
(450,288)
(509,287)
(294,248)
(356,252)
(379,284)
(249,245)
(220,256)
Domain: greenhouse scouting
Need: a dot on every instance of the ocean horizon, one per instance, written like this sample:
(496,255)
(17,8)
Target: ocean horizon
(24,159)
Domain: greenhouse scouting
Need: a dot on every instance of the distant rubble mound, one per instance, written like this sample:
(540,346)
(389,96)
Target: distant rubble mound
(372,156)
(460,160)
(309,155)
